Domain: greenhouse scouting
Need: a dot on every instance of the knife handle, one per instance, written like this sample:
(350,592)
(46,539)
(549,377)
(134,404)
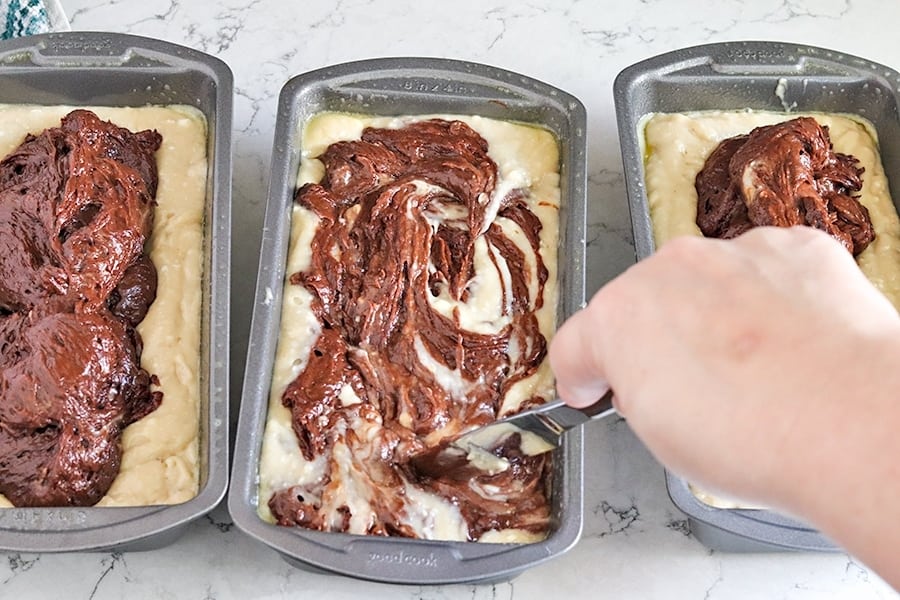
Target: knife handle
(560,417)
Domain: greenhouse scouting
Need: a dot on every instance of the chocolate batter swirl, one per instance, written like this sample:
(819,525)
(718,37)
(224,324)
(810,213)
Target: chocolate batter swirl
(76,207)
(401,212)
(783,175)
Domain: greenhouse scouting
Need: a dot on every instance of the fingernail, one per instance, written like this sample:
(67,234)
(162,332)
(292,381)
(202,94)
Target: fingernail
(583,395)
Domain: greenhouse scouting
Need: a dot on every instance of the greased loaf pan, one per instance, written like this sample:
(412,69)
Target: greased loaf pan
(110,70)
(761,76)
(389,87)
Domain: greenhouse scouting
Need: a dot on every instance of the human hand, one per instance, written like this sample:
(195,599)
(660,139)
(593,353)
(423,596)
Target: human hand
(737,362)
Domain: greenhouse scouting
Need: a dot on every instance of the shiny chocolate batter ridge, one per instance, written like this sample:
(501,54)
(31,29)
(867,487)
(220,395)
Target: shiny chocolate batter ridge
(783,175)
(76,207)
(401,212)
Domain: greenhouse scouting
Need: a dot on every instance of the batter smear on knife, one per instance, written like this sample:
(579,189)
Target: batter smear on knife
(783,175)
(76,207)
(402,214)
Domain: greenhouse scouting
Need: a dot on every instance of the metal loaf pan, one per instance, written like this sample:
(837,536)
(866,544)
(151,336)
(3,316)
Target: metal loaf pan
(105,69)
(741,75)
(400,86)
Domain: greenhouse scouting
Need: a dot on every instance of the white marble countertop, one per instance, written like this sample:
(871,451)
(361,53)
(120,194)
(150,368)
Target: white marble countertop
(636,544)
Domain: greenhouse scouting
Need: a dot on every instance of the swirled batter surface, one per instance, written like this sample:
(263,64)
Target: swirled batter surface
(429,292)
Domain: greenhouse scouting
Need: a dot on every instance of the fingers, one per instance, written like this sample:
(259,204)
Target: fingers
(798,242)
(583,349)
(682,288)
(814,256)
(575,357)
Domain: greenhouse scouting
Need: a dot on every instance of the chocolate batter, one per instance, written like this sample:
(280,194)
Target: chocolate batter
(76,207)
(783,175)
(400,211)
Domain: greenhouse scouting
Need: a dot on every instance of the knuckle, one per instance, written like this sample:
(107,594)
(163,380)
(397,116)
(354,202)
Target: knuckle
(682,247)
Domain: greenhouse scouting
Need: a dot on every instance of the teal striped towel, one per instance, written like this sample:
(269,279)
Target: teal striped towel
(27,17)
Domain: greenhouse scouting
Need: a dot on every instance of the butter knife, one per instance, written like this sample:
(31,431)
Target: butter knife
(550,421)
(540,429)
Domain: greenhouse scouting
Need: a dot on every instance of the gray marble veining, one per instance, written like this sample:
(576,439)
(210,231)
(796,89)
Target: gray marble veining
(635,543)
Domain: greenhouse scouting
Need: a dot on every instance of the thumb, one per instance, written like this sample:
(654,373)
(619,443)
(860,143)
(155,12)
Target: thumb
(574,358)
